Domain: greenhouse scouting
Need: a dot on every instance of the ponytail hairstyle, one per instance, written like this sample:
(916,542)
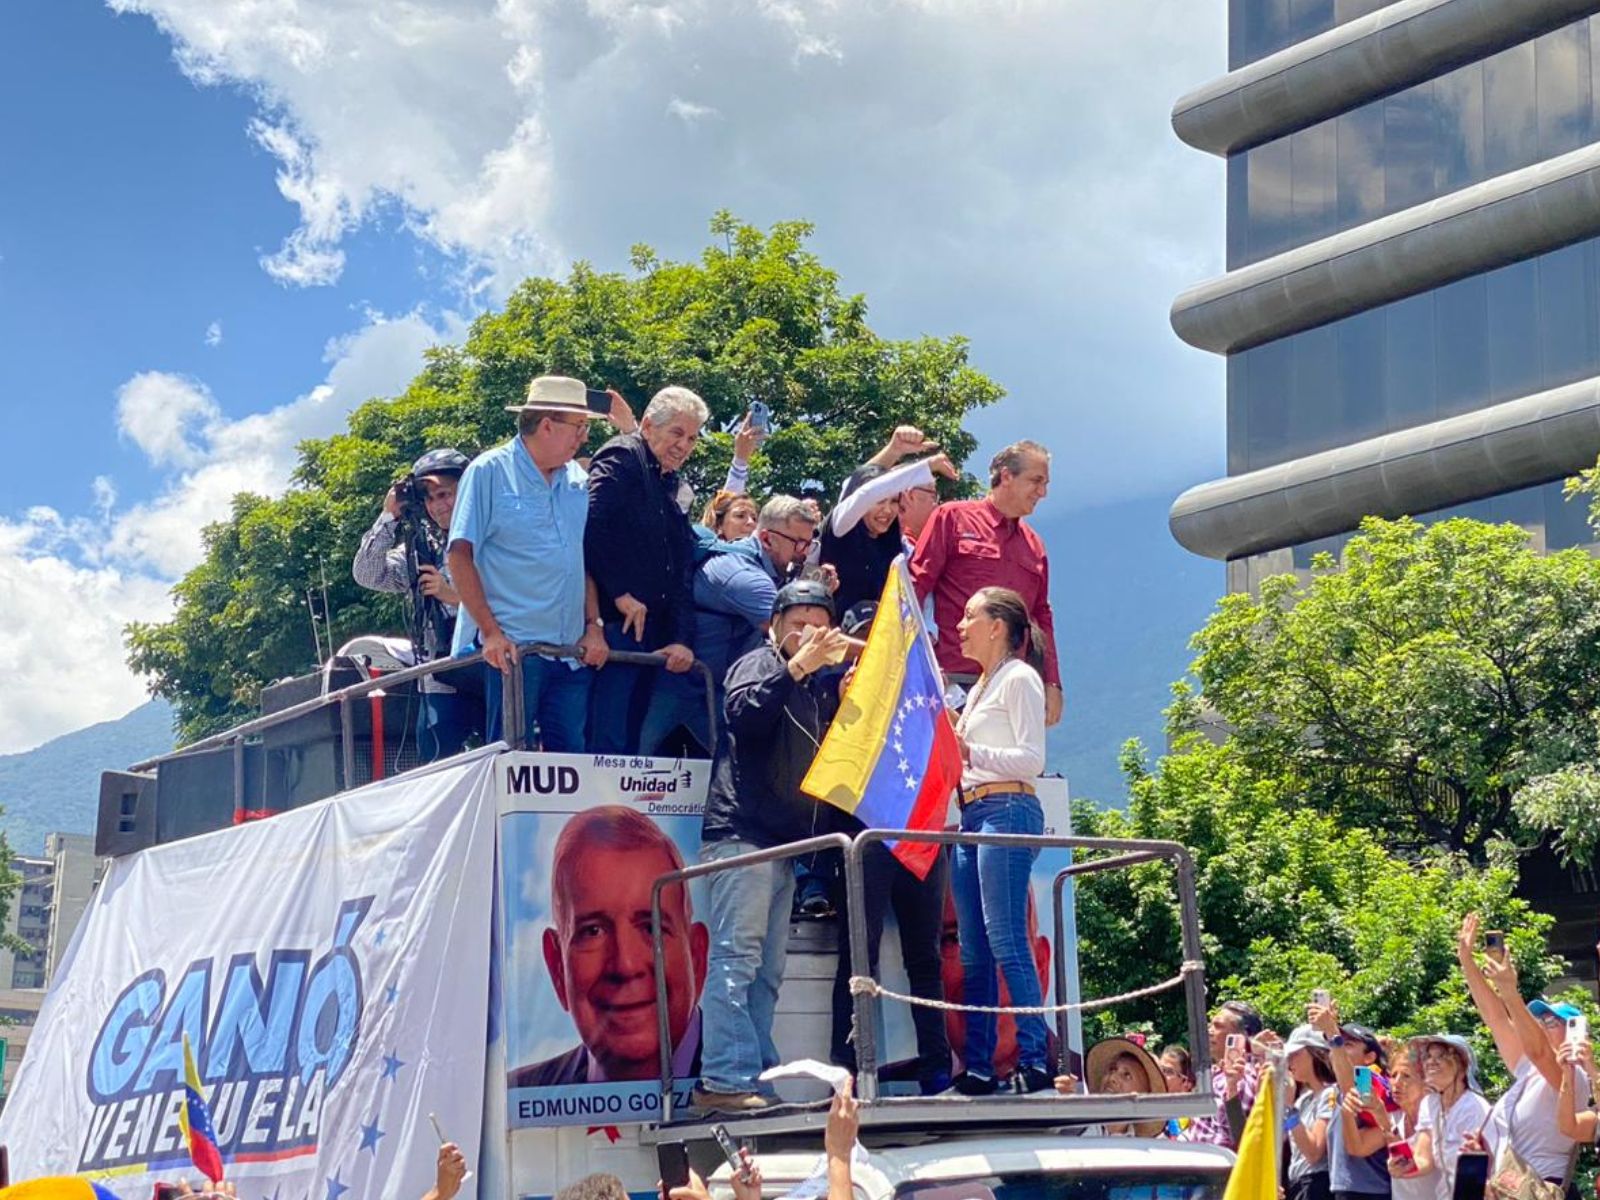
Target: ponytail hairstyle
(1024,638)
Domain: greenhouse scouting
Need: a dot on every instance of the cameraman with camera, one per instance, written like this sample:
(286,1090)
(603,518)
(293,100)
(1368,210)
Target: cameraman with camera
(403,552)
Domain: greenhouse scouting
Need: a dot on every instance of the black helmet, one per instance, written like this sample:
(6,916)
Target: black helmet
(439,462)
(802,593)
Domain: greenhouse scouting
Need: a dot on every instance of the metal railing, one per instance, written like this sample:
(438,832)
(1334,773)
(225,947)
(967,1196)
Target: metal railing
(1126,853)
(513,714)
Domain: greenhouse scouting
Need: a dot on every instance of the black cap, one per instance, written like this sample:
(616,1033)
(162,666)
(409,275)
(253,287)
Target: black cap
(1369,1039)
(800,594)
(858,618)
(439,462)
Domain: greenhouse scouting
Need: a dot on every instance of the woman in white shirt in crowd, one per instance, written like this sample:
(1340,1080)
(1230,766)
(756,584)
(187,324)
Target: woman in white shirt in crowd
(1412,1176)
(1453,1110)
(1526,1119)
(1001,734)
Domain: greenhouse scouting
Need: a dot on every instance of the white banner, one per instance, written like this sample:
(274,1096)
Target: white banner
(331,968)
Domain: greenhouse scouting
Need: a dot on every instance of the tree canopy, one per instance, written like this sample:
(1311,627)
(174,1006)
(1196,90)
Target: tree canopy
(1290,900)
(1418,685)
(757,317)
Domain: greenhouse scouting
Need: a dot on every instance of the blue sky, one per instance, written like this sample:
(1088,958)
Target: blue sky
(225,222)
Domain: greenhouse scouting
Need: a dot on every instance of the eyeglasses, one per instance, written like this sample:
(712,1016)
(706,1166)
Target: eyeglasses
(801,545)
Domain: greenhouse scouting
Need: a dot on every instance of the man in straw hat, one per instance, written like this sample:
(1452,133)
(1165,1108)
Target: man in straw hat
(516,555)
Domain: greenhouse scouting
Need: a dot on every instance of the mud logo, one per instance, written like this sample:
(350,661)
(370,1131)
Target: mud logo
(269,1052)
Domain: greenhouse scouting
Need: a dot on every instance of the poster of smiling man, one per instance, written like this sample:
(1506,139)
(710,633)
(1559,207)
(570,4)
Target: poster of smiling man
(582,841)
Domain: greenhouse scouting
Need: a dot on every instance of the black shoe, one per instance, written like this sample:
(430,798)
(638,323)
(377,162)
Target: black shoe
(1028,1080)
(816,908)
(968,1084)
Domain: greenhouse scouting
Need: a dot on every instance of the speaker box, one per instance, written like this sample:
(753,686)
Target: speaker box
(126,820)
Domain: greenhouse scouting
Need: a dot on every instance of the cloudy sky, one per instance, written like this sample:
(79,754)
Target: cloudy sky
(224,223)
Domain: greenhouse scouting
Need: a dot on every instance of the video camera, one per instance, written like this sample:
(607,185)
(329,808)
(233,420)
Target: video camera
(431,625)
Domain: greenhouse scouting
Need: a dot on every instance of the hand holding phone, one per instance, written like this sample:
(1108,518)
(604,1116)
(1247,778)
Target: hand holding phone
(1235,1045)
(1472,1174)
(1494,944)
(673,1159)
(737,1156)
(1364,1080)
(1402,1159)
(1578,1029)
(1321,997)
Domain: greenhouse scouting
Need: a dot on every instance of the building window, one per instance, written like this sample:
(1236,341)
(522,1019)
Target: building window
(1257,28)
(1521,106)
(1511,332)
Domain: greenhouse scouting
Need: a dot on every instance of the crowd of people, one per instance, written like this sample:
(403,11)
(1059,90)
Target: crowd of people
(1368,1115)
(775,598)
(528,543)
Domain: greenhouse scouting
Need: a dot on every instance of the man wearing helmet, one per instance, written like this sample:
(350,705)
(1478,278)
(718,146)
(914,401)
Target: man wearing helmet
(780,702)
(452,709)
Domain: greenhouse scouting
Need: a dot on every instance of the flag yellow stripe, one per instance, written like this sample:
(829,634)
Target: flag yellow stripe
(1255,1172)
(856,738)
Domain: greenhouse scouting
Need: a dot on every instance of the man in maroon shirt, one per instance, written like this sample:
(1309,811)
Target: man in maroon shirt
(972,544)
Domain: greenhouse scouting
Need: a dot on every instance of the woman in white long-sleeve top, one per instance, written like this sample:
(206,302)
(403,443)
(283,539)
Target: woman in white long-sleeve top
(1001,733)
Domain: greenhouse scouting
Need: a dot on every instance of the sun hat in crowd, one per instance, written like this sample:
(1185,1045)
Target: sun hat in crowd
(1099,1059)
(557,393)
(1462,1047)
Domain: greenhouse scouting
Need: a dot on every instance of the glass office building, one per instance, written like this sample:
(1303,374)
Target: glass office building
(1411,306)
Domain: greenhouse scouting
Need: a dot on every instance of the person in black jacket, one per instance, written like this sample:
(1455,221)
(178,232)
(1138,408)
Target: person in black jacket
(639,549)
(780,702)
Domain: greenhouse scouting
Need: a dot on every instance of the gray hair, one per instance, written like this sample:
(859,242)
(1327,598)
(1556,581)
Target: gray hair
(594,1187)
(1010,459)
(672,402)
(780,510)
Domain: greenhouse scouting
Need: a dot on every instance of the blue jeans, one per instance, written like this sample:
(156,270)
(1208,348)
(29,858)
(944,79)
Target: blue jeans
(621,694)
(676,700)
(555,701)
(447,721)
(749,943)
(990,886)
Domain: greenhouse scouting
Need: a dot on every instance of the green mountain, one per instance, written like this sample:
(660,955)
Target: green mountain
(1127,598)
(56,787)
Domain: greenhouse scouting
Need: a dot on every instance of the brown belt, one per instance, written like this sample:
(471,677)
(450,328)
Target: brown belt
(1006,787)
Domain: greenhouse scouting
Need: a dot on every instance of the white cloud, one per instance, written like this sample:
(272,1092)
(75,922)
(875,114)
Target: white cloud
(688,111)
(69,584)
(214,334)
(999,168)
(164,415)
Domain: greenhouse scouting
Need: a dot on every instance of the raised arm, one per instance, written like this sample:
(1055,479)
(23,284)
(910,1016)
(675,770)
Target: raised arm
(1490,1007)
(1502,977)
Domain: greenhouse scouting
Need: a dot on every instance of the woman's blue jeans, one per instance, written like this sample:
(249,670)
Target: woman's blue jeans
(990,885)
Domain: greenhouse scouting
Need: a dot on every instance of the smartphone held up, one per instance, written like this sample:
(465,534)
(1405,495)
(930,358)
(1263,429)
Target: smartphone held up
(1494,944)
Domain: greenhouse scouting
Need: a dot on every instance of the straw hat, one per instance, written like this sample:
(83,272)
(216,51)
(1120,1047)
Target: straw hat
(1099,1059)
(557,393)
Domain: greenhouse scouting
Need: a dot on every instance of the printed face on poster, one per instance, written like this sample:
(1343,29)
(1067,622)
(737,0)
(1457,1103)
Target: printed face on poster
(582,841)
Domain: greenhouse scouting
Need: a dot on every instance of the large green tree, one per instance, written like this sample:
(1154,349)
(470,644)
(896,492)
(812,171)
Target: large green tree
(1419,684)
(758,316)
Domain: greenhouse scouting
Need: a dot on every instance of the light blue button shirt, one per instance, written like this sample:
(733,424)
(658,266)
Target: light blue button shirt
(527,543)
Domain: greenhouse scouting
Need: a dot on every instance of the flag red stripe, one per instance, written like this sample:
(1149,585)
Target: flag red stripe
(933,799)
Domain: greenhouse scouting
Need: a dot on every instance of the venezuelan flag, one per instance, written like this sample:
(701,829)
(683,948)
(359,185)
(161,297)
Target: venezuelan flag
(57,1187)
(194,1118)
(890,756)
(1255,1172)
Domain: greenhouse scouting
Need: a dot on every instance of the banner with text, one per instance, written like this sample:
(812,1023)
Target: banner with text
(330,967)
